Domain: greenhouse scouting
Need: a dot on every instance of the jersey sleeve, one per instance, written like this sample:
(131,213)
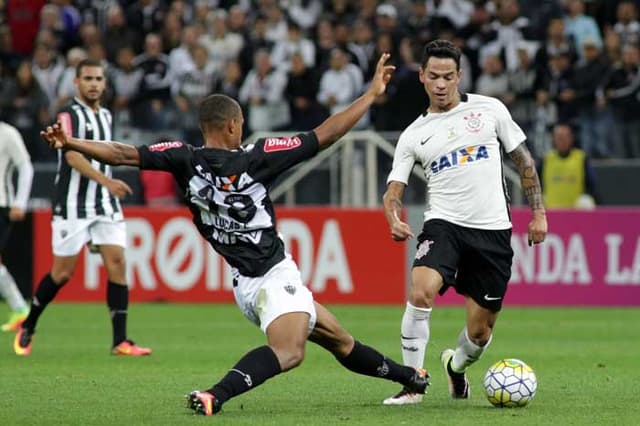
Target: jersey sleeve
(20,157)
(17,149)
(171,157)
(68,121)
(272,156)
(509,133)
(403,161)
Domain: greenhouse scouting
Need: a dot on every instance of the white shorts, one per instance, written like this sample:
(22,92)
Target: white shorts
(69,236)
(280,291)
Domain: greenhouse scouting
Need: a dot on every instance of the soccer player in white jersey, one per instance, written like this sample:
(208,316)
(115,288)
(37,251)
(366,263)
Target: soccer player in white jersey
(13,206)
(465,240)
(86,209)
(226,188)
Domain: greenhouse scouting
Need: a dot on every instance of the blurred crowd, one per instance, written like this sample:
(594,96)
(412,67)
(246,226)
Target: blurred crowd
(292,62)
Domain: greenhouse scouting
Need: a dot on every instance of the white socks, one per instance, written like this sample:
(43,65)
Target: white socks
(9,291)
(415,335)
(467,352)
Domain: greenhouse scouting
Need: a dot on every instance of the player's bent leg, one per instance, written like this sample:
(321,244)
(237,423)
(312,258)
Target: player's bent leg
(360,358)
(480,322)
(425,284)
(287,336)
(414,329)
(472,342)
(329,334)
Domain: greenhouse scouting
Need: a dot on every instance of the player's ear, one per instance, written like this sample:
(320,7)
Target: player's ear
(232,125)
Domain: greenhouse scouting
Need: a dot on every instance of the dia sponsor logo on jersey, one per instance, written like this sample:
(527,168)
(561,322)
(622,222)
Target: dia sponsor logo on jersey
(462,156)
(281,144)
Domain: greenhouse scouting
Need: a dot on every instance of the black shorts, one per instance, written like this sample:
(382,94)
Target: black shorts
(5,227)
(477,262)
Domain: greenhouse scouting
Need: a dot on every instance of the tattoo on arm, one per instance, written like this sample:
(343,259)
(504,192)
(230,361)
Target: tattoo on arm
(396,204)
(528,176)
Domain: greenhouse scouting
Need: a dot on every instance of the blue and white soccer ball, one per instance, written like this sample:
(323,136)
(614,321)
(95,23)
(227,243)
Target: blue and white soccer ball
(510,383)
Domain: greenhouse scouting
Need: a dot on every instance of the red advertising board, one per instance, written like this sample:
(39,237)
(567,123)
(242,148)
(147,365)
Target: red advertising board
(345,256)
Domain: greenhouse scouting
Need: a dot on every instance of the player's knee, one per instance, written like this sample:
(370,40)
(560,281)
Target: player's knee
(341,343)
(291,358)
(116,270)
(346,346)
(420,298)
(62,276)
(297,357)
(480,335)
(117,263)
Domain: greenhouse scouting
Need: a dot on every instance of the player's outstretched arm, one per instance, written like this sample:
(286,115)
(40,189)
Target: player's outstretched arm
(113,153)
(531,186)
(334,127)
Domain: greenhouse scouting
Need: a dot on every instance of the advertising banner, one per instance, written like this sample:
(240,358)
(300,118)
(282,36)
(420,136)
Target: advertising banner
(345,256)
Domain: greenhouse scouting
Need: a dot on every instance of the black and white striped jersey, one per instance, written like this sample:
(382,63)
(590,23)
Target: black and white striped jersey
(75,196)
(227,193)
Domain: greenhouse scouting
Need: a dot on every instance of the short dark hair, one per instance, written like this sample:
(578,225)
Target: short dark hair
(216,110)
(87,63)
(441,49)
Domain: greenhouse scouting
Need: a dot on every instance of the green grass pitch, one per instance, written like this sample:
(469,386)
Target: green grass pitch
(587,362)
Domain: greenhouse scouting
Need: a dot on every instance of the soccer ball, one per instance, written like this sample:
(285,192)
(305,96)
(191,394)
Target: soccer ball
(510,383)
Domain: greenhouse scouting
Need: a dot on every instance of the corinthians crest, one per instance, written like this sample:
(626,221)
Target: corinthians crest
(423,249)
(474,122)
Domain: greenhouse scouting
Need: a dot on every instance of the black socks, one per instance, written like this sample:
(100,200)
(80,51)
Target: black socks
(365,360)
(253,369)
(118,301)
(45,293)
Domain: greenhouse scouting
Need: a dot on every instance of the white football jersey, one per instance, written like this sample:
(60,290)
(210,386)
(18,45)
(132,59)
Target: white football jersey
(460,153)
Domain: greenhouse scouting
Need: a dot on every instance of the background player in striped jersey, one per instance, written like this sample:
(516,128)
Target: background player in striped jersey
(86,209)
(13,206)
(465,240)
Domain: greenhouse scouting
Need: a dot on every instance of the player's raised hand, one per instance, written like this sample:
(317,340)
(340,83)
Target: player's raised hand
(54,136)
(382,75)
